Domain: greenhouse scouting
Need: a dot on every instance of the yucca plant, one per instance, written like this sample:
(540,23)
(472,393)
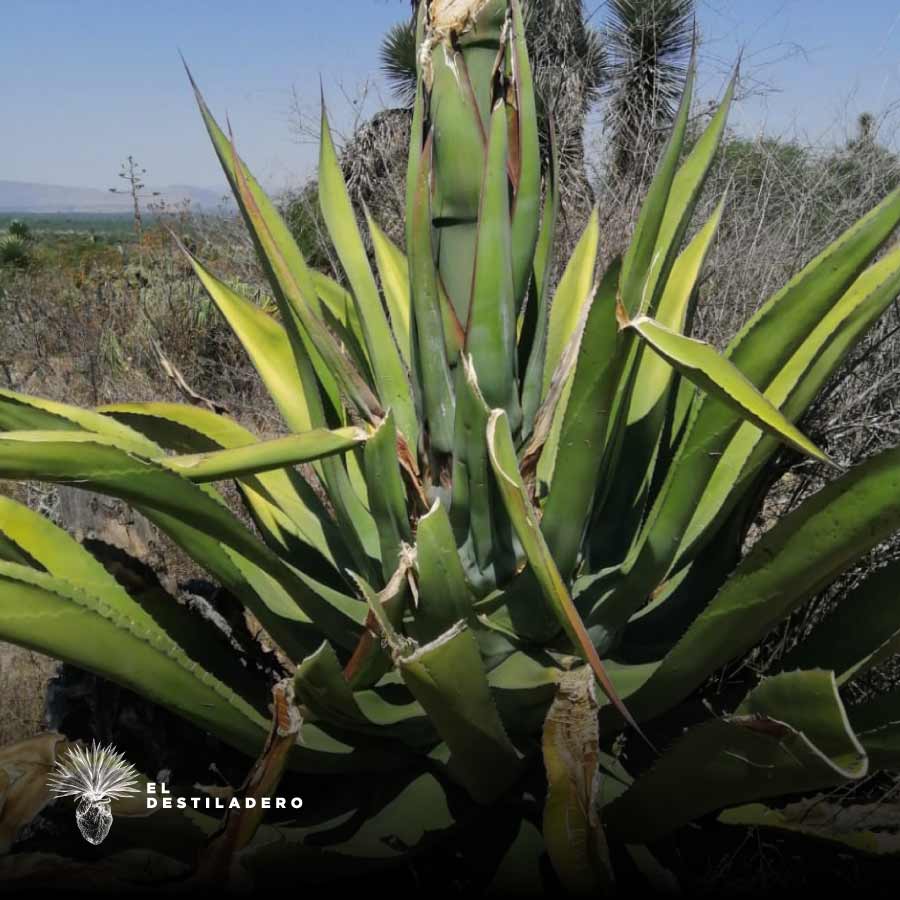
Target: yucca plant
(519,531)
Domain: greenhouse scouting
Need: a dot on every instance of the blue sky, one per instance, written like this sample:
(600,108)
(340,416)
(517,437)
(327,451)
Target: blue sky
(86,82)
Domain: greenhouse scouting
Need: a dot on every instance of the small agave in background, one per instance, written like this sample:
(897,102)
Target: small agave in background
(96,777)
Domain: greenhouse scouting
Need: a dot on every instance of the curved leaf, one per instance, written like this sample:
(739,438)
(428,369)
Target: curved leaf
(790,735)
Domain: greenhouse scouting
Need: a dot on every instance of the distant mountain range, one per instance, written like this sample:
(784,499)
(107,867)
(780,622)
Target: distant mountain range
(29,197)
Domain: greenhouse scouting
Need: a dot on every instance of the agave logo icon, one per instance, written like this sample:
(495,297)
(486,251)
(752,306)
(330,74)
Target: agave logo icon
(95,776)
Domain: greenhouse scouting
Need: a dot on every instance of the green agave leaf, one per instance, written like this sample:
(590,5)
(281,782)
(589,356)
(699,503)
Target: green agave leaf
(50,548)
(394,274)
(473,510)
(533,334)
(636,265)
(387,495)
(22,412)
(521,513)
(459,108)
(101,465)
(863,631)
(652,631)
(682,201)
(570,297)
(299,289)
(444,595)
(527,153)
(339,301)
(790,735)
(701,364)
(284,265)
(31,539)
(825,820)
(617,523)
(301,408)
(519,872)
(793,390)
(877,722)
(432,364)
(181,427)
(53,616)
(778,328)
(390,376)
(523,686)
(491,324)
(760,351)
(320,686)
(799,556)
(583,435)
(264,456)
(447,678)
(270,350)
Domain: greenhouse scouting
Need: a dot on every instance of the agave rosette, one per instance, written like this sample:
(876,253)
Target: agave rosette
(536,496)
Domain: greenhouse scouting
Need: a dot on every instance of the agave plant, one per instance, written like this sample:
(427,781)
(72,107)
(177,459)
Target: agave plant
(518,535)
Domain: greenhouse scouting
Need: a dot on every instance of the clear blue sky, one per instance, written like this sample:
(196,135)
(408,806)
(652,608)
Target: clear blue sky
(86,82)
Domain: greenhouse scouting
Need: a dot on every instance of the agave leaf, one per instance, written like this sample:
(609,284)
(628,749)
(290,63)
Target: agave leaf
(583,433)
(760,351)
(53,616)
(281,259)
(824,820)
(790,735)
(459,107)
(29,538)
(802,554)
(320,686)
(491,325)
(473,511)
(433,367)
(264,456)
(387,494)
(638,260)
(339,301)
(390,376)
(21,412)
(101,465)
(299,292)
(519,872)
(394,274)
(573,835)
(877,722)
(701,364)
(524,139)
(521,513)
(47,546)
(447,678)
(572,292)
(617,522)
(178,426)
(792,391)
(862,632)
(681,202)
(444,596)
(533,334)
(271,353)
(652,631)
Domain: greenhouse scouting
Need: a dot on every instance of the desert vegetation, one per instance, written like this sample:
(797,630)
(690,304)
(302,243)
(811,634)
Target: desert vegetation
(562,596)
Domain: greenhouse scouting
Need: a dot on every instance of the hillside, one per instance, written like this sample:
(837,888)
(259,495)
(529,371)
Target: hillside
(31,197)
